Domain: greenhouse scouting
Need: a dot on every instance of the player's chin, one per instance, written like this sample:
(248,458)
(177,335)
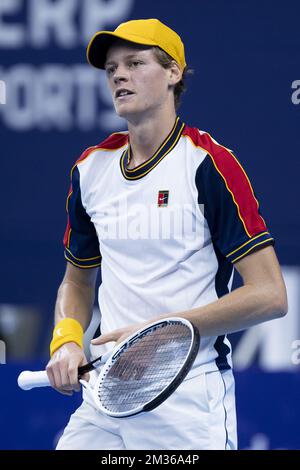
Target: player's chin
(132,115)
(125,110)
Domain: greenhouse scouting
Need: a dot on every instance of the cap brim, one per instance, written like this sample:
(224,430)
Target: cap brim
(101,42)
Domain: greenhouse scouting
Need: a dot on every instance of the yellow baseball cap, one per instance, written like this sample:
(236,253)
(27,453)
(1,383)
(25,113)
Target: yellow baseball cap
(150,32)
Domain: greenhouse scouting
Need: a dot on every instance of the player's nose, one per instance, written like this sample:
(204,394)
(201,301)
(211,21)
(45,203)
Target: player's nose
(121,75)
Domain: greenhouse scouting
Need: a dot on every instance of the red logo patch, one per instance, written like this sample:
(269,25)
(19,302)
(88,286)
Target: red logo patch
(163,198)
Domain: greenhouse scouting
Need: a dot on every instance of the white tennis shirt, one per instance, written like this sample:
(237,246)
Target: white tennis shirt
(166,234)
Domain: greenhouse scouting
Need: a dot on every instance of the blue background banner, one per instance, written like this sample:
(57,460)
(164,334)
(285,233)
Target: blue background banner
(245,91)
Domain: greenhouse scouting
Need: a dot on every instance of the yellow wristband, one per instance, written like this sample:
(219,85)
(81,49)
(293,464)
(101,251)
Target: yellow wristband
(66,331)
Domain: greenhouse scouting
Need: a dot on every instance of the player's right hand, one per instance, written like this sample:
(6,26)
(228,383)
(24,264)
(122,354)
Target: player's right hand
(62,369)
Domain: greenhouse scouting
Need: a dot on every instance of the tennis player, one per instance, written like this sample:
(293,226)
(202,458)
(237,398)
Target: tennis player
(168,213)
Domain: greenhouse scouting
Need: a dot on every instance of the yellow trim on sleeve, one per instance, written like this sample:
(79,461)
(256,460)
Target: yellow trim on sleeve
(249,241)
(257,244)
(83,259)
(80,266)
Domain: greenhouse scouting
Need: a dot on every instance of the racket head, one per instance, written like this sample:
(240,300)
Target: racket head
(146,368)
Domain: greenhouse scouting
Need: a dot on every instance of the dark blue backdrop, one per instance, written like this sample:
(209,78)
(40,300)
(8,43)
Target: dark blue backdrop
(246,58)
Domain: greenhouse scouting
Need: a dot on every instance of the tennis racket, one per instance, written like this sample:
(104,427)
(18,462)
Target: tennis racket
(139,373)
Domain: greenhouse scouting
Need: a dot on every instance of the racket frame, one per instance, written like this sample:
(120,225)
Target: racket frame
(169,389)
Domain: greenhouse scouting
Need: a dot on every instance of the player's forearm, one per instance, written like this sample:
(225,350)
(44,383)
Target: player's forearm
(76,301)
(238,310)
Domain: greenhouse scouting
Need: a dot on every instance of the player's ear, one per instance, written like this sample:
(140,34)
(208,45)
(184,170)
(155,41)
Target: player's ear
(175,73)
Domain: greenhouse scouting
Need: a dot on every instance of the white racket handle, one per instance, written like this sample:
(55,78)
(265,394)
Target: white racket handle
(28,379)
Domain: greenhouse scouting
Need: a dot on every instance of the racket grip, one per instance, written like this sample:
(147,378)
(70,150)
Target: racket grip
(28,379)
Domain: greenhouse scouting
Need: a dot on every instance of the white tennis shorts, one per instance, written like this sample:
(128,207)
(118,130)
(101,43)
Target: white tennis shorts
(199,415)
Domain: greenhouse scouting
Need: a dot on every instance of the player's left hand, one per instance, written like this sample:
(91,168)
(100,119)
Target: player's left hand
(117,335)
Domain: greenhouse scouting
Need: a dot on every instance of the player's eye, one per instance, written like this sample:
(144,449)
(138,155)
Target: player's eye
(110,70)
(135,63)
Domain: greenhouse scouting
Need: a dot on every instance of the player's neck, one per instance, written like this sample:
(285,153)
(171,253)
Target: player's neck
(147,135)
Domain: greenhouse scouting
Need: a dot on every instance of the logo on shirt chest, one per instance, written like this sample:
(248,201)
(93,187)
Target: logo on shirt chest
(163,198)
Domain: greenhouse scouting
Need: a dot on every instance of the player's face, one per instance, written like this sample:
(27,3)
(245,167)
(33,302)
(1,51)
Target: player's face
(138,83)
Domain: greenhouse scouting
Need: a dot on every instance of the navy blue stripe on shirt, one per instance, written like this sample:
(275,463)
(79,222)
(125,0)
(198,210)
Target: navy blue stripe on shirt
(81,245)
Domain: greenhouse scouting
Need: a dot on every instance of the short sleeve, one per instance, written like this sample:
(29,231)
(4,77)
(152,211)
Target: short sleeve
(80,240)
(230,206)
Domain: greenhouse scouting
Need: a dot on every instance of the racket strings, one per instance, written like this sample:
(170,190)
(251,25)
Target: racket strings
(146,368)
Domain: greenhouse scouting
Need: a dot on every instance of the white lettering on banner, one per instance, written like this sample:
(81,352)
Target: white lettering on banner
(89,84)
(2,92)
(53,88)
(98,14)
(57,19)
(273,340)
(11,34)
(58,97)
(296,94)
(86,89)
(20,85)
(64,23)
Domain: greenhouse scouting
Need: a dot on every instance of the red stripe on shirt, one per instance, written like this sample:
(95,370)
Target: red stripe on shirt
(113,142)
(235,179)
(67,232)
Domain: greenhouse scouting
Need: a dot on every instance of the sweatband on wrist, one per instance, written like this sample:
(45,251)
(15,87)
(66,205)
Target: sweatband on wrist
(66,331)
